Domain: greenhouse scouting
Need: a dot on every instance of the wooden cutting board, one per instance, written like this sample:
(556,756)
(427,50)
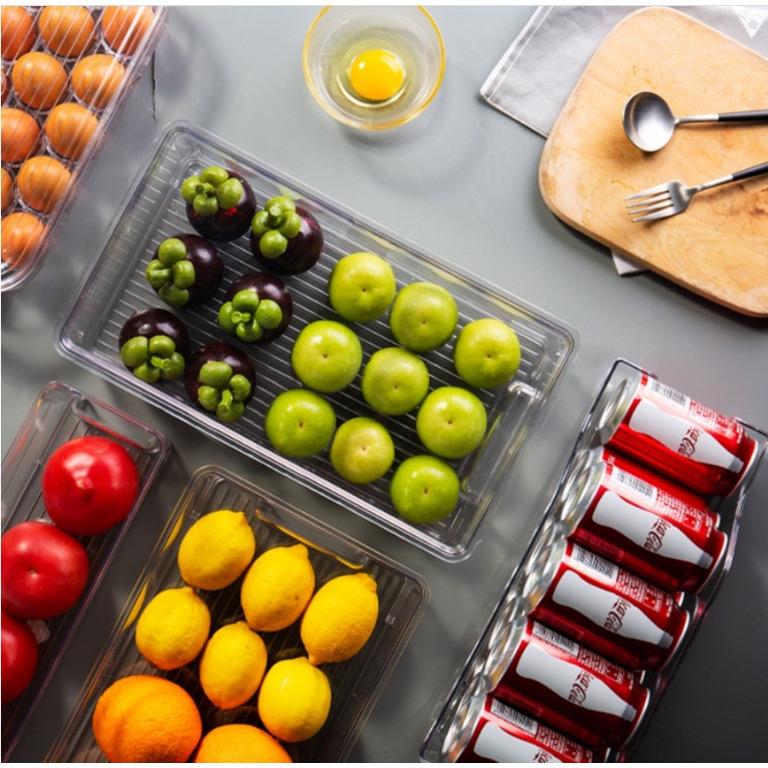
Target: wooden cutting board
(719,246)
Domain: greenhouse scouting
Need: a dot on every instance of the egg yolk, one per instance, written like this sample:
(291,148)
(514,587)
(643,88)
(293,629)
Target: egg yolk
(377,75)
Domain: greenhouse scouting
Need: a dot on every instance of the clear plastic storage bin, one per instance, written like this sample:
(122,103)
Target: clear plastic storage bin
(115,288)
(59,414)
(491,655)
(131,45)
(355,683)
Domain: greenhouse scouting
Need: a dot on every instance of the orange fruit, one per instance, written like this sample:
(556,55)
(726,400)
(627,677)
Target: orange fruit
(69,127)
(146,719)
(96,78)
(42,180)
(17,29)
(240,744)
(19,134)
(7,189)
(20,235)
(125,26)
(39,79)
(66,29)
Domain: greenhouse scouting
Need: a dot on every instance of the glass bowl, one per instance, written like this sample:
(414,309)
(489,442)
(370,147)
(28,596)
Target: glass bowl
(338,34)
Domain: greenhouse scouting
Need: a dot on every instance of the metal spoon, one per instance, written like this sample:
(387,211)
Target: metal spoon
(649,122)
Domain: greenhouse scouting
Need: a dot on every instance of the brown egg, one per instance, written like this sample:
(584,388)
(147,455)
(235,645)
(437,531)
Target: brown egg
(7,189)
(125,26)
(5,86)
(69,127)
(20,235)
(42,180)
(96,78)
(20,134)
(66,29)
(17,30)
(38,79)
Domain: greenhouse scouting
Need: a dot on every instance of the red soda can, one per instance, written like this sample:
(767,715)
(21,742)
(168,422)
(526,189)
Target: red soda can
(641,521)
(502,734)
(675,436)
(605,607)
(571,688)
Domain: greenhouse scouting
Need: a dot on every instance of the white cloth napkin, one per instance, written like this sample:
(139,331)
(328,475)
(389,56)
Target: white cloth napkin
(535,76)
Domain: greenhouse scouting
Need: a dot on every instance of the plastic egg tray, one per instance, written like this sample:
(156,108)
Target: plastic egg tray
(131,44)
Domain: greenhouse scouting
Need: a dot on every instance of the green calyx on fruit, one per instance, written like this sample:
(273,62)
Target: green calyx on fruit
(221,392)
(275,226)
(212,190)
(247,317)
(171,274)
(152,359)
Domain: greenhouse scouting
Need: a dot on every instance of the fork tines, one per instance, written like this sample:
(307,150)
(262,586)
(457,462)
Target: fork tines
(650,204)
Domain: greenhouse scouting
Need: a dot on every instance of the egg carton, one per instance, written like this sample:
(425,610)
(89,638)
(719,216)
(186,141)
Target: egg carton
(14,273)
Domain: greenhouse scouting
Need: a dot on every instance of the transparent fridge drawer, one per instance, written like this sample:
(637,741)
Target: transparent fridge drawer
(355,684)
(59,414)
(493,652)
(125,43)
(115,288)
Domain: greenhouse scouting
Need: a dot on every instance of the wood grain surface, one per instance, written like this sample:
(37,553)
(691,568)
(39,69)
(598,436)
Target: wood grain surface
(719,246)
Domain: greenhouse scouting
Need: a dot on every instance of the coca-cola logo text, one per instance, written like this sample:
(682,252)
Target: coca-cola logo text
(655,537)
(578,692)
(687,445)
(614,621)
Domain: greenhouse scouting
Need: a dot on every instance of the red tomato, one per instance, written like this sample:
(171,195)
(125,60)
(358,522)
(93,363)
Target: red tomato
(19,652)
(89,485)
(44,570)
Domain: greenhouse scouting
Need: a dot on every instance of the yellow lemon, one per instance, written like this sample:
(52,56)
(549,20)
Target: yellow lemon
(216,550)
(173,628)
(232,665)
(277,588)
(294,700)
(340,618)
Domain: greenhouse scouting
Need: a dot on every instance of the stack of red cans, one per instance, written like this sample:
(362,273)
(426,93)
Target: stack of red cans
(608,598)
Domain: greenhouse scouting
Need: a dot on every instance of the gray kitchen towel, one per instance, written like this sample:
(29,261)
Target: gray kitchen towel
(537,73)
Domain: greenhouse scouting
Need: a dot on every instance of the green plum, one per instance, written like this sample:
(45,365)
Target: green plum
(362,450)
(487,353)
(300,423)
(361,287)
(451,422)
(423,317)
(326,356)
(395,381)
(424,489)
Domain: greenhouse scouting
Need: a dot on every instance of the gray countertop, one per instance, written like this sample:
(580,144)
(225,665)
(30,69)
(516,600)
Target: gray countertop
(462,181)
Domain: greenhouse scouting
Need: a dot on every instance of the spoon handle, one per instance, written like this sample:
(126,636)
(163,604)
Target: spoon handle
(755,116)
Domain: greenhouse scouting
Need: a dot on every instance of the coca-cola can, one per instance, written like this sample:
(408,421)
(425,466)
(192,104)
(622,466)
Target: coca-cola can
(676,436)
(611,610)
(571,688)
(641,521)
(503,734)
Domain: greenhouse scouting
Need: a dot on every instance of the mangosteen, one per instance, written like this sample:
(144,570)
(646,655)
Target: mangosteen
(258,308)
(154,345)
(285,238)
(220,203)
(221,379)
(187,269)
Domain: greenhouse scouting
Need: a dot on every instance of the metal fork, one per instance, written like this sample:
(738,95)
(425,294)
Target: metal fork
(674,197)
